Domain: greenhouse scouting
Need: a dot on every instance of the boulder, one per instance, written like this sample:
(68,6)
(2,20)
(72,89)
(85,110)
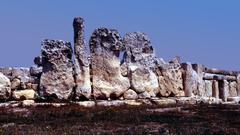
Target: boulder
(130,95)
(107,80)
(57,77)
(5,87)
(15,84)
(28,94)
(144,80)
(139,64)
(81,67)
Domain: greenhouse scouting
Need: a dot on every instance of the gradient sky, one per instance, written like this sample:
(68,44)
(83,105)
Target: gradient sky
(203,31)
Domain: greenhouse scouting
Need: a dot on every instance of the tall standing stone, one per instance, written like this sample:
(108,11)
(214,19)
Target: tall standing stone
(190,80)
(140,62)
(107,80)
(215,89)
(238,84)
(201,84)
(223,90)
(82,73)
(57,75)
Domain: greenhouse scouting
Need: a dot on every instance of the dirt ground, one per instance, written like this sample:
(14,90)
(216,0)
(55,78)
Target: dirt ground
(125,120)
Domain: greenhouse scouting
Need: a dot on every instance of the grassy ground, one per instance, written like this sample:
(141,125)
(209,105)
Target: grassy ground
(71,119)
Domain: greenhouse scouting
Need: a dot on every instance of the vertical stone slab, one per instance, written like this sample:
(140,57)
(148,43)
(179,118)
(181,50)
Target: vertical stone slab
(57,75)
(215,89)
(140,61)
(208,88)
(223,90)
(82,72)
(238,84)
(190,80)
(107,80)
(201,84)
(233,89)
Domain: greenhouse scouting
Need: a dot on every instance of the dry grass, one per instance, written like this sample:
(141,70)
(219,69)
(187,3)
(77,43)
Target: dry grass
(71,119)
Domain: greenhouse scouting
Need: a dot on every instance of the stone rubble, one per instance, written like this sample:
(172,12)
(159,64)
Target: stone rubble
(106,78)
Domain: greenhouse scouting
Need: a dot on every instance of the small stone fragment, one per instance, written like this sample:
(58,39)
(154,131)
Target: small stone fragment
(130,95)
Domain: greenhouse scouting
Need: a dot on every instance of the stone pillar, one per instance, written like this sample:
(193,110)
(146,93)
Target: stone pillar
(215,89)
(81,67)
(57,76)
(238,84)
(223,90)
(105,47)
(201,84)
(233,89)
(208,88)
(190,78)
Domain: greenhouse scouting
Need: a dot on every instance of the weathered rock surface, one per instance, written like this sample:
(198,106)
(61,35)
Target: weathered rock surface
(224,90)
(233,89)
(82,72)
(130,95)
(140,62)
(208,88)
(5,87)
(170,79)
(15,84)
(57,76)
(107,80)
(190,80)
(27,94)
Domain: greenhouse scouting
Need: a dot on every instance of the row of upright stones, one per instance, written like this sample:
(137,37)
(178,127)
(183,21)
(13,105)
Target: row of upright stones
(102,75)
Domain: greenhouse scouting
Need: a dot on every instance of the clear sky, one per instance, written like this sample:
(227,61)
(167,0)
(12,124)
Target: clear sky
(200,31)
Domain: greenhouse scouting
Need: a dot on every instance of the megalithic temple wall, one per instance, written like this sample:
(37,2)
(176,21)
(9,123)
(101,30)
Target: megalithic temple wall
(62,72)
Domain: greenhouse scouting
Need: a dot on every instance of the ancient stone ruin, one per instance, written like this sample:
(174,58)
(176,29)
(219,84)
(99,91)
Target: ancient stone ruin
(64,74)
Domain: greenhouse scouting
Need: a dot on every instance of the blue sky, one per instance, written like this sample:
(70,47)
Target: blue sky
(206,31)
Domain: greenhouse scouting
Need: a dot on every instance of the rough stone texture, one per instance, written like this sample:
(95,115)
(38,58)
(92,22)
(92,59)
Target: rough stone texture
(36,71)
(144,80)
(5,87)
(170,80)
(107,80)
(7,71)
(233,89)
(130,95)
(200,82)
(38,61)
(139,51)
(139,64)
(190,80)
(223,90)
(238,84)
(57,77)
(82,72)
(27,94)
(215,89)
(15,84)
(208,88)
